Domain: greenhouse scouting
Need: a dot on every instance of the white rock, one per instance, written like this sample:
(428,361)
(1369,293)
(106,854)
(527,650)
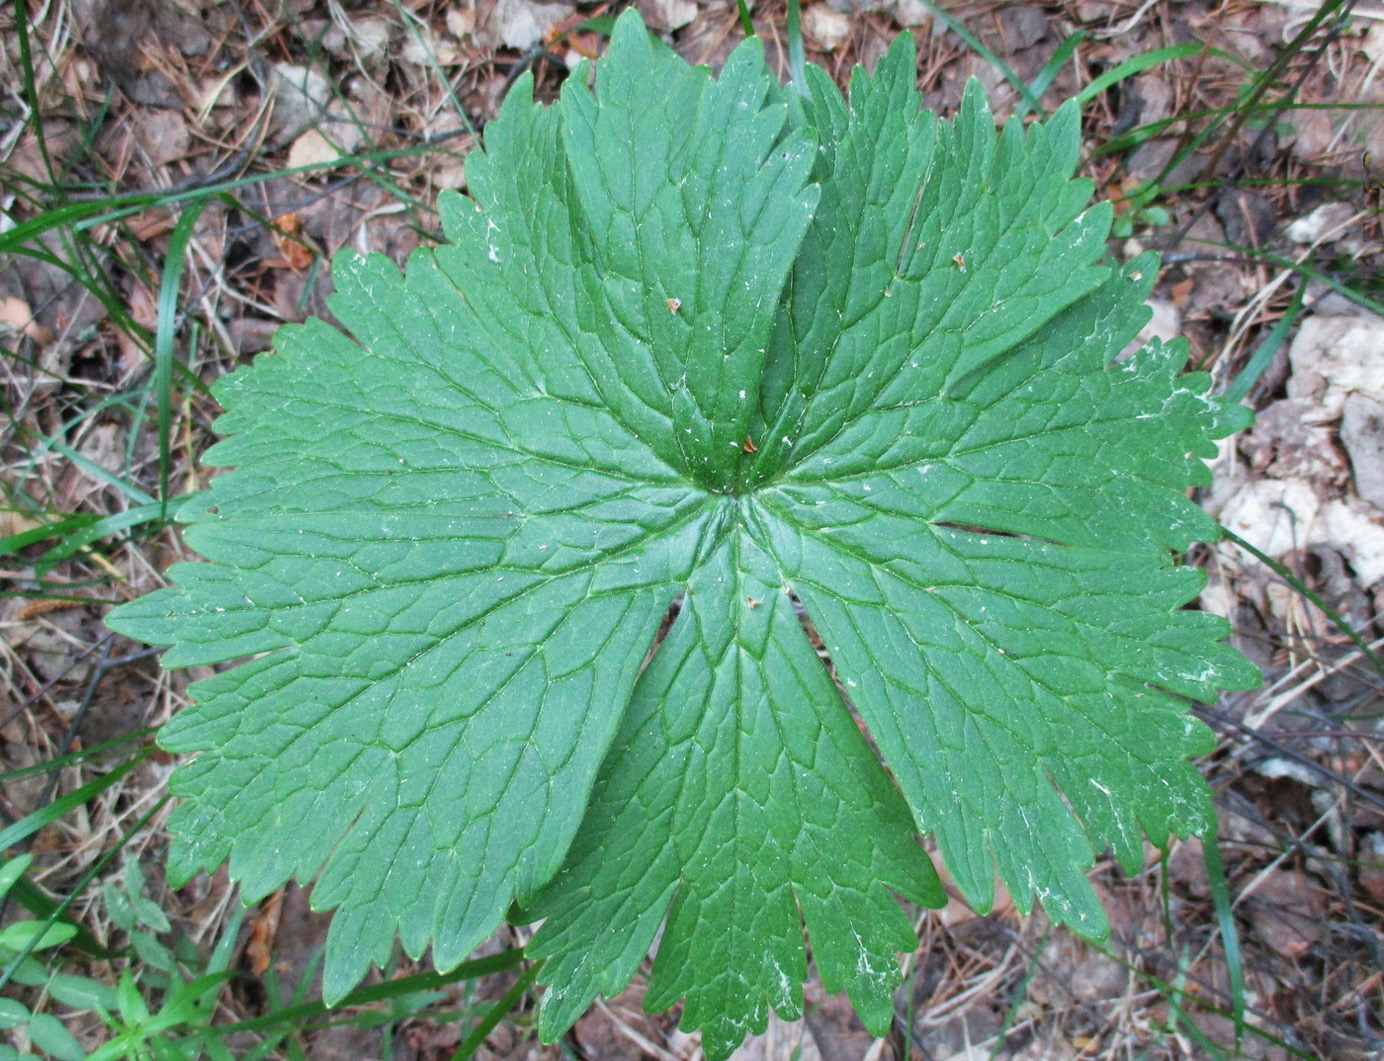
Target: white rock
(1276,516)
(371,36)
(912,14)
(426,47)
(334,40)
(1354,529)
(364,38)
(1335,356)
(1276,769)
(1219,597)
(311,149)
(461,22)
(826,28)
(328,140)
(1165,324)
(1327,218)
(164,135)
(520,24)
(450,174)
(667,15)
(300,84)
(1362,435)
(300,99)
(1373,44)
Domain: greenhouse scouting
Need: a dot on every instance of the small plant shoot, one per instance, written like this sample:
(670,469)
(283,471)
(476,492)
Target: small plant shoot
(797,363)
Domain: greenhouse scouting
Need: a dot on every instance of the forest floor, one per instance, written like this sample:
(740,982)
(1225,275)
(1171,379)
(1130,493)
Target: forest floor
(1254,162)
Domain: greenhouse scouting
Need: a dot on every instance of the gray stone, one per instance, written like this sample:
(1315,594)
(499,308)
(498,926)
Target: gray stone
(1362,435)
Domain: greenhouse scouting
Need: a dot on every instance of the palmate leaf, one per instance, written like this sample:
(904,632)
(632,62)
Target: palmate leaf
(714,344)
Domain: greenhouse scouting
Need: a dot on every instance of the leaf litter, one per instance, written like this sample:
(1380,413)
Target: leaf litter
(1267,807)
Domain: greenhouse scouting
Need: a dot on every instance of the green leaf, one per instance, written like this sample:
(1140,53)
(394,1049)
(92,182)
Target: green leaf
(28,972)
(24,936)
(12,1013)
(740,785)
(133,1010)
(11,871)
(150,914)
(49,1035)
(118,907)
(151,952)
(82,992)
(766,364)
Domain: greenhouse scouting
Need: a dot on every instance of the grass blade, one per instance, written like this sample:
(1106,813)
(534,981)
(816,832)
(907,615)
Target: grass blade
(497,1013)
(1044,80)
(95,470)
(163,338)
(1230,939)
(1263,357)
(797,61)
(32,823)
(67,525)
(26,61)
(381,992)
(49,765)
(13,241)
(1307,591)
(81,537)
(1137,65)
(746,22)
(976,45)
